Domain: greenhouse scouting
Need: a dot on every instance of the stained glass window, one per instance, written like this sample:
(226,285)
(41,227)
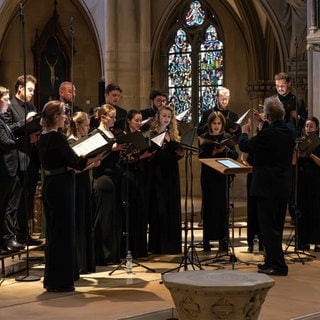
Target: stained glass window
(193,84)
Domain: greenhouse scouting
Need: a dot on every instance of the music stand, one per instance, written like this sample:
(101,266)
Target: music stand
(228,167)
(190,255)
(135,141)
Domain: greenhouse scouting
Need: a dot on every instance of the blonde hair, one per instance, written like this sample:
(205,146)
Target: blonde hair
(104,110)
(223,91)
(3,91)
(172,127)
(79,117)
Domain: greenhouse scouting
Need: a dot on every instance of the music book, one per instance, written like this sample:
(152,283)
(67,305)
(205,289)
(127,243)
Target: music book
(186,141)
(91,145)
(230,142)
(309,144)
(181,115)
(31,126)
(135,139)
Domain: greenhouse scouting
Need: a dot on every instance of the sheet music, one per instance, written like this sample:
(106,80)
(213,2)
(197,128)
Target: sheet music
(145,121)
(159,139)
(239,121)
(181,115)
(90,144)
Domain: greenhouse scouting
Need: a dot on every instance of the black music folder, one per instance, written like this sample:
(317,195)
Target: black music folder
(135,139)
(229,142)
(309,144)
(92,145)
(31,126)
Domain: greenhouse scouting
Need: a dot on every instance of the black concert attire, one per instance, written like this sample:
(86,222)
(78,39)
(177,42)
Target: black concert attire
(308,201)
(214,209)
(289,104)
(272,150)
(119,125)
(84,221)
(58,196)
(230,116)
(134,191)
(108,208)
(165,202)
(9,166)
(29,169)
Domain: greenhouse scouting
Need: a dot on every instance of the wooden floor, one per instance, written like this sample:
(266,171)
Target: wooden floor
(143,296)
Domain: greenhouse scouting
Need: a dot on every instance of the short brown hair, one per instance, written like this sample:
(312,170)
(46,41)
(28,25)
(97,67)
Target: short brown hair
(20,81)
(282,76)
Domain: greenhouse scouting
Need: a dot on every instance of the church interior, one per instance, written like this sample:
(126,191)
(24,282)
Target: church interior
(132,43)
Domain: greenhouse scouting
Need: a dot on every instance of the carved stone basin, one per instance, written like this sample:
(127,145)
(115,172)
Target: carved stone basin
(218,294)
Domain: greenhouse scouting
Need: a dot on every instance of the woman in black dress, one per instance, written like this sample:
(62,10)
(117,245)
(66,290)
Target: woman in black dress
(308,192)
(165,201)
(58,196)
(107,192)
(135,189)
(214,184)
(79,128)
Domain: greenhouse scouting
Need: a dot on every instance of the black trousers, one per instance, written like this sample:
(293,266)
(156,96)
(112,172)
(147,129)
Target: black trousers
(271,218)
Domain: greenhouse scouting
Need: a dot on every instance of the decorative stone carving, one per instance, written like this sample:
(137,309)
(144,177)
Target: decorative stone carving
(218,294)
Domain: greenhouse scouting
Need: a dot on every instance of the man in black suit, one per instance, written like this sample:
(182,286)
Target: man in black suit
(20,111)
(295,109)
(272,149)
(9,166)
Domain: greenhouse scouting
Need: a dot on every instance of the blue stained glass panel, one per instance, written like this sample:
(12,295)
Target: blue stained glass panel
(195,15)
(180,98)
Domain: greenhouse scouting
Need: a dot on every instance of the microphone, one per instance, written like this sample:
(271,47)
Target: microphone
(21,12)
(71,26)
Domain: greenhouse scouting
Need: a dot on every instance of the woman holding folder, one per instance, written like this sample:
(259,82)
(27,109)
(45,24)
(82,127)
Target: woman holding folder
(214,184)
(107,193)
(165,200)
(58,196)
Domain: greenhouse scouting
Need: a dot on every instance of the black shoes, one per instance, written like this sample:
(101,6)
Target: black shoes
(273,272)
(4,250)
(15,244)
(61,289)
(31,242)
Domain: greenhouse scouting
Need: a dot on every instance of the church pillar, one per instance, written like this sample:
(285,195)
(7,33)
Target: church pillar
(127,58)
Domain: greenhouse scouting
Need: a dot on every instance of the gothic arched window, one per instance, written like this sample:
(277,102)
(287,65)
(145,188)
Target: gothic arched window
(195,62)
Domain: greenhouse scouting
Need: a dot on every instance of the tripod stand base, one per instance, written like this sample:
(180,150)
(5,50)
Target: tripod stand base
(134,264)
(28,278)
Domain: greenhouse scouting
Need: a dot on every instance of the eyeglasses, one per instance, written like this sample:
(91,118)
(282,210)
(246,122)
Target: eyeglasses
(281,86)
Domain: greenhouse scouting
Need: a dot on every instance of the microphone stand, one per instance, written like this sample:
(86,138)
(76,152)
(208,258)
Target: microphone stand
(190,255)
(26,277)
(71,71)
(125,206)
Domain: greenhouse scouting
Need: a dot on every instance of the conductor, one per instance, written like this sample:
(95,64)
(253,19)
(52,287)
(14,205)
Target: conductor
(272,150)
